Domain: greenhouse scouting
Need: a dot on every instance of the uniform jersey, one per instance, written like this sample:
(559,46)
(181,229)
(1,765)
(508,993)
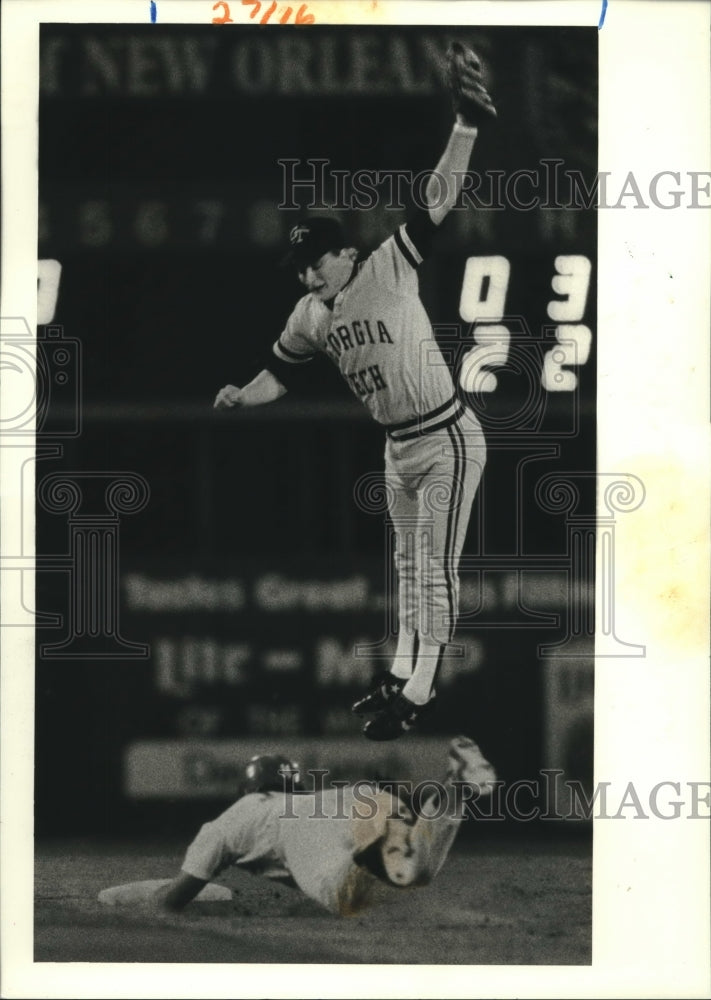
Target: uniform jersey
(308,838)
(377,332)
(380,337)
(314,840)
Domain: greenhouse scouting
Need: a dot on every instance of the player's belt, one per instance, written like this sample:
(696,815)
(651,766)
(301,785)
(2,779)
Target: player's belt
(425,423)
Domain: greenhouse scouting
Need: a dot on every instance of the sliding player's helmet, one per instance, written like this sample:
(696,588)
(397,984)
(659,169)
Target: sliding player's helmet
(271,773)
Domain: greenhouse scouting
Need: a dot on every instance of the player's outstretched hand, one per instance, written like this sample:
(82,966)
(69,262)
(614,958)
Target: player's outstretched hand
(465,82)
(228,397)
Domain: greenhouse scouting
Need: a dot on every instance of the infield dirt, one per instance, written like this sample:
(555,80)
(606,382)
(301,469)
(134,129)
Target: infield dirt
(497,904)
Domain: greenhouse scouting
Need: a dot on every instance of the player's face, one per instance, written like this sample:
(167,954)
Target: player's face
(327,275)
(399,858)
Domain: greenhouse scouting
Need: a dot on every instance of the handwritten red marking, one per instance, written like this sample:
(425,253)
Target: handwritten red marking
(302,17)
(302,14)
(268,13)
(253,3)
(225,17)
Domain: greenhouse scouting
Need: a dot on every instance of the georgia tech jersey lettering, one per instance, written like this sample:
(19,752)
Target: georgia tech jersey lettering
(378,334)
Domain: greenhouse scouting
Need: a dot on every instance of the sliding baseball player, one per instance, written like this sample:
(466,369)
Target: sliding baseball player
(340,846)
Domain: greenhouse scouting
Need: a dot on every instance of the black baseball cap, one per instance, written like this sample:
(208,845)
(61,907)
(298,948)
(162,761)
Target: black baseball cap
(311,238)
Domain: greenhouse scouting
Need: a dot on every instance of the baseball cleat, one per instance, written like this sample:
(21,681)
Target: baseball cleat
(398,718)
(467,764)
(384,689)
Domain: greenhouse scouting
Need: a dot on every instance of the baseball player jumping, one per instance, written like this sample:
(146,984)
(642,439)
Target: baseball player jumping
(339,846)
(366,315)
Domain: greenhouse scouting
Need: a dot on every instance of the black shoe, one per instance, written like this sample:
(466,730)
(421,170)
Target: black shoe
(384,689)
(398,718)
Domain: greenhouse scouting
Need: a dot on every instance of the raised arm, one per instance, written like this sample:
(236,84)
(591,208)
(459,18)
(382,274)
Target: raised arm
(473,107)
(445,184)
(264,388)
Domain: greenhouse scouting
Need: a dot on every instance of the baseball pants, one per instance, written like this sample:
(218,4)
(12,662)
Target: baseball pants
(431,483)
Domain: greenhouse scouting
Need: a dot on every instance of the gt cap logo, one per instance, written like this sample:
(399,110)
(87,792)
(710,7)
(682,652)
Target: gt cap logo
(296,235)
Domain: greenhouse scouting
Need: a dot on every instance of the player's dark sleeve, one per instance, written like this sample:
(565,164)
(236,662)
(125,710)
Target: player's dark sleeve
(266,359)
(421,230)
(291,376)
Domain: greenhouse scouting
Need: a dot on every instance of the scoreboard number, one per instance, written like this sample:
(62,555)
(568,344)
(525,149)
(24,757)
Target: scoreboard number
(483,304)
(573,348)
(572,280)
(486,281)
(492,348)
(483,299)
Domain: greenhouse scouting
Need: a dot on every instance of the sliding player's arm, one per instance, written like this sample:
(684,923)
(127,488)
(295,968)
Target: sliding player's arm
(178,893)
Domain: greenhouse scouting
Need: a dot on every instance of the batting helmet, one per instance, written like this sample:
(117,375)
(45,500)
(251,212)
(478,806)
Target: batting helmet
(271,773)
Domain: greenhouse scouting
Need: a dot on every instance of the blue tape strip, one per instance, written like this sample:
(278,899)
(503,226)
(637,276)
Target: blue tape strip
(602,14)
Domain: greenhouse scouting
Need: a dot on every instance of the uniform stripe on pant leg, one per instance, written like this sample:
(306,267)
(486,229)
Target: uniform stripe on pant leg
(435,676)
(415,650)
(452,522)
(459,434)
(447,538)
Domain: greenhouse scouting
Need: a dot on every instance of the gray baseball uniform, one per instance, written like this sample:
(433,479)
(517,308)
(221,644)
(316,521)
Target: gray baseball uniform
(312,839)
(380,337)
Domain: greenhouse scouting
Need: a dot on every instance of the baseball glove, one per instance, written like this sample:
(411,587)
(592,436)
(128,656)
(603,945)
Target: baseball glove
(464,79)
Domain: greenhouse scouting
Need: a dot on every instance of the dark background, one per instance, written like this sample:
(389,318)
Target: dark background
(159,187)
